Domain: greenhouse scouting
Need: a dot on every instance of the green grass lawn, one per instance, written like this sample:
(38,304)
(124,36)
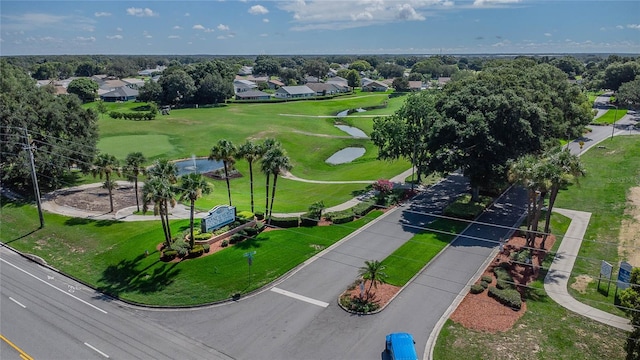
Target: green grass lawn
(110,255)
(413,255)
(611,116)
(611,172)
(306,137)
(546,331)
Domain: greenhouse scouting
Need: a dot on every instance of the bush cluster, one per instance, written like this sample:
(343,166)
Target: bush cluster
(201,236)
(486,278)
(206,247)
(285,222)
(168,255)
(464,208)
(509,297)
(307,220)
(132,115)
(358,304)
(245,216)
(259,215)
(181,247)
(364,208)
(237,237)
(520,256)
(476,289)
(504,278)
(197,250)
(224,243)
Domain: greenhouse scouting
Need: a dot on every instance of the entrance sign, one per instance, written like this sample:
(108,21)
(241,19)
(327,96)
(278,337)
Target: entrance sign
(624,275)
(605,269)
(218,217)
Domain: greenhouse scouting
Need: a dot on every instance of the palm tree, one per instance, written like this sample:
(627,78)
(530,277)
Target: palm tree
(267,145)
(373,270)
(193,187)
(274,161)
(251,152)
(164,170)
(159,192)
(224,151)
(106,164)
(566,167)
(132,168)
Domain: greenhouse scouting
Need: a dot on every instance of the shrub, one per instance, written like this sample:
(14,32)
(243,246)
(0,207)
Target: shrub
(221,231)
(464,208)
(307,220)
(484,284)
(503,284)
(331,215)
(364,208)
(358,304)
(260,226)
(169,254)
(520,256)
(486,278)
(476,289)
(197,250)
(202,236)
(341,219)
(508,297)
(285,222)
(259,215)
(245,215)
(206,247)
(224,243)
(181,247)
(251,231)
(236,238)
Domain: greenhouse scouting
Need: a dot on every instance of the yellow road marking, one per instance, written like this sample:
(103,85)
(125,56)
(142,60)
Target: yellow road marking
(23,355)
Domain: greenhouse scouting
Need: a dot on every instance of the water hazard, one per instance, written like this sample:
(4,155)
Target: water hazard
(346,155)
(197,165)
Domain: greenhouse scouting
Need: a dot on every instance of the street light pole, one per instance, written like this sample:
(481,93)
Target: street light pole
(615,117)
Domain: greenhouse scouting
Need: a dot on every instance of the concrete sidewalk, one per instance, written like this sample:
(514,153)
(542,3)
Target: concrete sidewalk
(557,279)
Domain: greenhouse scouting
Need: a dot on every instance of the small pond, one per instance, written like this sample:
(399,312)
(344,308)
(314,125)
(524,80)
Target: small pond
(197,165)
(349,111)
(353,131)
(345,155)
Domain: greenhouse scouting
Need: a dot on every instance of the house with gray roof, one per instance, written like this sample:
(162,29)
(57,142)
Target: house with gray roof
(375,86)
(291,92)
(123,93)
(323,89)
(241,85)
(253,95)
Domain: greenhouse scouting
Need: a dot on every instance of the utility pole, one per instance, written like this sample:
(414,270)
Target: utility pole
(34,179)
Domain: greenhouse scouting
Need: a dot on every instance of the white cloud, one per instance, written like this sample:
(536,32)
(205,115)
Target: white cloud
(634,26)
(174,37)
(222,27)
(265,20)
(101,14)
(141,12)
(264,35)
(187,14)
(177,27)
(32,21)
(407,12)
(115,37)
(620,27)
(494,2)
(221,37)
(118,29)
(547,34)
(85,39)
(198,27)
(146,34)
(258,10)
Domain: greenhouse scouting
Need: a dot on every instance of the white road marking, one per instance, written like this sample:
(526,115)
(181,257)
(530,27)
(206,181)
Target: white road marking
(62,291)
(300,297)
(17,302)
(96,350)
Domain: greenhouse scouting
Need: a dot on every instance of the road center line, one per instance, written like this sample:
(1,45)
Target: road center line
(96,350)
(17,302)
(44,282)
(300,297)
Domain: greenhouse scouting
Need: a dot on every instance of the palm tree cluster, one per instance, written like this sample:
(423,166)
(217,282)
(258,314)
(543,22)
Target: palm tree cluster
(543,176)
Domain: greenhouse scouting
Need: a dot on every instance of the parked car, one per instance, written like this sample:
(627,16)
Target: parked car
(400,346)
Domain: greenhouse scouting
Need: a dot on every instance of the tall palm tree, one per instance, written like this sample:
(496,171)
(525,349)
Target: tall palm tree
(268,145)
(276,160)
(373,270)
(105,165)
(566,167)
(193,186)
(224,151)
(164,169)
(160,192)
(251,152)
(133,166)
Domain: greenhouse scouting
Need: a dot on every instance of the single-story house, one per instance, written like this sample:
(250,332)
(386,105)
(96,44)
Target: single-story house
(241,85)
(252,95)
(112,84)
(339,81)
(134,83)
(274,84)
(322,89)
(150,72)
(375,86)
(245,70)
(311,79)
(123,93)
(415,85)
(290,92)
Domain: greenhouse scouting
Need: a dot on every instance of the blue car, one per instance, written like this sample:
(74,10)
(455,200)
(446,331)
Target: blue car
(401,346)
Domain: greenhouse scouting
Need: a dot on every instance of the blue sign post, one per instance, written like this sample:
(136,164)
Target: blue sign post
(249,256)
(624,276)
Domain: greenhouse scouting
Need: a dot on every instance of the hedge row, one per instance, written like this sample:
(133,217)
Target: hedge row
(364,207)
(132,116)
(509,297)
(285,222)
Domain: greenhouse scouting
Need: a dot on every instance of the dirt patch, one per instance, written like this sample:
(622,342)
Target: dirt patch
(96,199)
(480,311)
(629,248)
(581,283)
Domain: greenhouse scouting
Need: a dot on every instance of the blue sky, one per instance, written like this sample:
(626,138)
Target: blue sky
(308,27)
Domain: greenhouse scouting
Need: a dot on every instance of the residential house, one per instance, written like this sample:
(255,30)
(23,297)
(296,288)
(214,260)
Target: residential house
(311,79)
(291,92)
(375,86)
(323,89)
(339,81)
(134,83)
(241,85)
(123,93)
(415,85)
(151,72)
(275,84)
(245,70)
(252,95)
